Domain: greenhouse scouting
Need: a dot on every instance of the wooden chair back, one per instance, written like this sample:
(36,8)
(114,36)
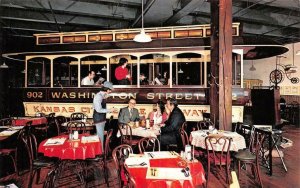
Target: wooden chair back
(78,116)
(149,144)
(120,153)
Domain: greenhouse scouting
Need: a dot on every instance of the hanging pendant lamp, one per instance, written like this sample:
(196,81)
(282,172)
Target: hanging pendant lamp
(142,36)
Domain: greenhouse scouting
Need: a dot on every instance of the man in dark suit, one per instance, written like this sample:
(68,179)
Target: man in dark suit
(170,132)
(129,113)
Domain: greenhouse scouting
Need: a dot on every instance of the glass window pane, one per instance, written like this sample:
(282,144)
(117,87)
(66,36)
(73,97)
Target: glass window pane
(65,72)
(155,68)
(38,72)
(123,75)
(236,69)
(96,66)
(188,69)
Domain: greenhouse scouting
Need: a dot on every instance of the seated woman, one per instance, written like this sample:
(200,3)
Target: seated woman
(158,115)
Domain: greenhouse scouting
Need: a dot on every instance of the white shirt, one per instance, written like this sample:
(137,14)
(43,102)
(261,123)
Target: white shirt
(87,81)
(157,118)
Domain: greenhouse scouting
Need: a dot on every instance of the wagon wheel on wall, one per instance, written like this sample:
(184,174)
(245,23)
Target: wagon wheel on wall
(295,80)
(276,76)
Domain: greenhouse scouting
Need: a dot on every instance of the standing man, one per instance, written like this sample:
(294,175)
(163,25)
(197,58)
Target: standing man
(100,110)
(122,73)
(170,132)
(129,113)
(88,80)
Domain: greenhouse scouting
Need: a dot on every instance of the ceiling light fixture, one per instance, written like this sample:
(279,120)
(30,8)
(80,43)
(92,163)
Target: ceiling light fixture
(104,68)
(3,66)
(252,68)
(142,36)
(98,73)
(180,71)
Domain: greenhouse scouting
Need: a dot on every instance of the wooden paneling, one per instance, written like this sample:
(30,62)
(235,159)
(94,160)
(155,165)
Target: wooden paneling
(48,40)
(74,39)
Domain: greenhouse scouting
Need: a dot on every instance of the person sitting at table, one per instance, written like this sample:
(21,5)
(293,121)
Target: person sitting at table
(143,80)
(88,80)
(129,114)
(158,115)
(100,110)
(170,132)
(122,73)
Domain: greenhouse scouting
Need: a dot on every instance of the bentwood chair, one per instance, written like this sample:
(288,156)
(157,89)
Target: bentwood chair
(120,153)
(50,179)
(11,153)
(218,154)
(126,135)
(76,126)
(103,159)
(6,122)
(36,163)
(185,141)
(59,120)
(204,125)
(78,116)
(149,144)
(251,156)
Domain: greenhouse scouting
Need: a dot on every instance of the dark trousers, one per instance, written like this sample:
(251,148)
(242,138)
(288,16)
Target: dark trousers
(124,82)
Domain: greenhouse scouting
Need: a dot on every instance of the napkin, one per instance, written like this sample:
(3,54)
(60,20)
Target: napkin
(166,173)
(12,185)
(7,133)
(160,155)
(55,141)
(137,162)
(92,138)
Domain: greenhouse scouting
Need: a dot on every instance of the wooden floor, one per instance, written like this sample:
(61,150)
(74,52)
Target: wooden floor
(280,178)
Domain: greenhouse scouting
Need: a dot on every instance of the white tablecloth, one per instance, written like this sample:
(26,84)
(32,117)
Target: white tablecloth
(142,132)
(198,139)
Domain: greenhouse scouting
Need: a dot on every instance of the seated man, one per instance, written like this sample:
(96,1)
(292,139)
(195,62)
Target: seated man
(143,80)
(129,114)
(88,80)
(170,132)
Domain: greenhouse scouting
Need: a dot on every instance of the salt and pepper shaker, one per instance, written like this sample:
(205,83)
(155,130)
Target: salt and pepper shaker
(147,123)
(75,136)
(188,152)
(70,136)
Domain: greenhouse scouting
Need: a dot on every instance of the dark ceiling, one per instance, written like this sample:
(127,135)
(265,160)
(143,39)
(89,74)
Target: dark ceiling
(20,19)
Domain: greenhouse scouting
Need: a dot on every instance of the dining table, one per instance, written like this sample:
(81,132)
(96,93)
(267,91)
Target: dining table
(21,121)
(8,131)
(86,146)
(197,139)
(165,166)
(141,131)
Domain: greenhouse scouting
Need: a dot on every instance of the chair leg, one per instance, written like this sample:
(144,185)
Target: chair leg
(32,174)
(228,173)
(258,173)
(105,170)
(38,174)
(208,172)
(14,163)
(239,168)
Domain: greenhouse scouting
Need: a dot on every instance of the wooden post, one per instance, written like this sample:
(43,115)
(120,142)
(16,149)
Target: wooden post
(214,64)
(221,64)
(225,64)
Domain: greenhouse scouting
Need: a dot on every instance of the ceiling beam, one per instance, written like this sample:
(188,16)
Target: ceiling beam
(187,7)
(64,12)
(113,3)
(138,18)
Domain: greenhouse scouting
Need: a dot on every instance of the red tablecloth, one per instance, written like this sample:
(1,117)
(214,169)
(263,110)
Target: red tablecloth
(196,170)
(71,149)
(35,121)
